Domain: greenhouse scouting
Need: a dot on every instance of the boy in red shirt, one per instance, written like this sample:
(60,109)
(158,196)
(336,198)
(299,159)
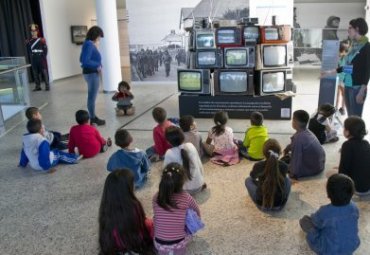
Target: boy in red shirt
(86,138)
(161,145)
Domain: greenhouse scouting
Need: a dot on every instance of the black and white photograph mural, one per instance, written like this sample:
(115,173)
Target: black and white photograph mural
(158,39)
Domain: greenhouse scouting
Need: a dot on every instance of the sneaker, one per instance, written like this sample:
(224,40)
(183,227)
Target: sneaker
(47,88)
(342,111)
(97,121)
(37,89)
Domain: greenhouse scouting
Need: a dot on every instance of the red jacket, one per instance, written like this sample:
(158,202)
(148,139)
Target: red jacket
(160,143)
(87,139)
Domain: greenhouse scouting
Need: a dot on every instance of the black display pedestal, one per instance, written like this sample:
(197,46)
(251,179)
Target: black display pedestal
(237,107)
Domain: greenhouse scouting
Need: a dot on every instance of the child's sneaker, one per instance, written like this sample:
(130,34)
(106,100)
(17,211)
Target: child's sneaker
(342,111)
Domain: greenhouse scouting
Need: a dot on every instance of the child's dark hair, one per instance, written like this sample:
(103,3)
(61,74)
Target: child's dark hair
(220,119)
(34,126)
(273,179)
(356,127)
(256,118)
(82,117)
(302,117)
(124,84)
(327,110)
(343,46)
(121,212)
(159,114)
(31,111)
(340,189)
(185,122)
(122,138)
(175,137)
(173,178)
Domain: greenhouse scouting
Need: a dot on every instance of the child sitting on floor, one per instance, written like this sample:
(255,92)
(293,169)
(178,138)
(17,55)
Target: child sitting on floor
(191,133)
(86,138)
(321,124)
(55,139)
(161,145)
(255,137)
(186,155)
(268,184)
(333,229)
(36,150)
(220,142)
(131,158)
(355,155)
(123,98)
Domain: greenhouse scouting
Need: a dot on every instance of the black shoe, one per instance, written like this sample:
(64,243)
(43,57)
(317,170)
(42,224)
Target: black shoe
(37,89)
(342,111)
(97,121)
(47,88)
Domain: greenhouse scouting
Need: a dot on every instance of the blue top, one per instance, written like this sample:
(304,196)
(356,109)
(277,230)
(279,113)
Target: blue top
(90,56)
(135,160)
(336,230)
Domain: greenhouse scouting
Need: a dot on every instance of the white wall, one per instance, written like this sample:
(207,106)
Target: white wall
(57,17)
(314,15)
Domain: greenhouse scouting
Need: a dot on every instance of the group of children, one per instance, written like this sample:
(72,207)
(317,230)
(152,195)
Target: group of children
(123,224)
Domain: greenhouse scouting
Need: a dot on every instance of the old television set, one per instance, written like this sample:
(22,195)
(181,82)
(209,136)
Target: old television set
(233,82)
(251,33)
(274,56)
(275,34)
(194,81)
(228,37)
(269,82)
(204,39)
(240,57)
(210,58)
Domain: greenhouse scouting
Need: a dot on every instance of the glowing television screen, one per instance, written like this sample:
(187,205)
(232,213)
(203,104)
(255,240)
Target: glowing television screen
(205,40)
(269,82)
(228,36)
(233,82)
(211,58)
(251,33)
(238,57)
(193,81)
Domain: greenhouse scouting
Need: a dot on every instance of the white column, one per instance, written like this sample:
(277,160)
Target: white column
(106,13)
(367,14)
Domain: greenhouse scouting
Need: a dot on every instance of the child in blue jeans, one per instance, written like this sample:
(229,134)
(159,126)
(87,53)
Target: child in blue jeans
(333,229)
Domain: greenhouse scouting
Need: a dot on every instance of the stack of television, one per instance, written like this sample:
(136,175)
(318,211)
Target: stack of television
(237,60)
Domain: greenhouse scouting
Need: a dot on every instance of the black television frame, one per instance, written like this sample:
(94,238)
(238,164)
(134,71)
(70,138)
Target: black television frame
(251,56)
(219,59)
(238,37)
(250,82)
(205,82)
(78,34)
(288,74)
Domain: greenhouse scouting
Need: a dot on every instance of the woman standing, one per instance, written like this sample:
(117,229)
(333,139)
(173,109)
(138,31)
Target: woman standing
(356,69)
(90,59)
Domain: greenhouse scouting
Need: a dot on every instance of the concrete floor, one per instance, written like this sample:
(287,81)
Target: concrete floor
(57,213)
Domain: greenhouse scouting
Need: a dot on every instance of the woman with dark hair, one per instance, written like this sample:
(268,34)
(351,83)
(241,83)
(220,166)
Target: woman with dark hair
(356,69)
(123,227)
(268,184)
(90,59)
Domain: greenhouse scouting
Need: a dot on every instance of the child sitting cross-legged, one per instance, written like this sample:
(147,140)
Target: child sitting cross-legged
(36,150)
(333,229)
(268,184)
(123,98)
(189,127)
(86,138)
(129,157)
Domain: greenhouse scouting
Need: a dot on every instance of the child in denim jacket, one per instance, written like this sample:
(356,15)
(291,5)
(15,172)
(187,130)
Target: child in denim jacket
(333,229)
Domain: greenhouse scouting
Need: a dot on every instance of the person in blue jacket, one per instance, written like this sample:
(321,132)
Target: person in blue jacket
(129,158)
(36,150)
(90,59)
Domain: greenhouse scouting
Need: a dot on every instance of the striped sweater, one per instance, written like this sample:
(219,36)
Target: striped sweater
(170,225)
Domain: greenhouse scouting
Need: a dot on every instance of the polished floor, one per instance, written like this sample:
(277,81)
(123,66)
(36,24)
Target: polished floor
(57,213)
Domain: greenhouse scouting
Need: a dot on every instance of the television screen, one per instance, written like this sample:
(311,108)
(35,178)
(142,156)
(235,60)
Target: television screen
(205,40)
(236,57)
(190,81)
(226,36)
(233,82)
(206,58)
(273,82)
(251,33)
(271,34)
(274,55)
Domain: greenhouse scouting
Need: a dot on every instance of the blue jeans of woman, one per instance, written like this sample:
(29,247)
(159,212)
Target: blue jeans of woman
(252,190)
(92,80)
(353,108)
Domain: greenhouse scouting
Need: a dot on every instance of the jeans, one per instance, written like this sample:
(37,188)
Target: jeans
(92,80)
(252,190)
(353,108)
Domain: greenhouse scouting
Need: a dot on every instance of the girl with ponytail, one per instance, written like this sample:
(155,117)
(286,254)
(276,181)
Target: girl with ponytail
(186,155)
(268,184)
(169,207)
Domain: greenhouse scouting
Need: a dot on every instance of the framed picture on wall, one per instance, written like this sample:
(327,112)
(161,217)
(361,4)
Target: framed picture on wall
(78,34)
